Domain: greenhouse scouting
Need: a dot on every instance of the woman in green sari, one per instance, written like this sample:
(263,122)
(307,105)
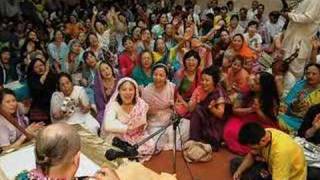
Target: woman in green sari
(142,72)
(304,94)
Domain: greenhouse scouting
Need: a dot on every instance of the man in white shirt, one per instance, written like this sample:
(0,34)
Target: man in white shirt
(252,12)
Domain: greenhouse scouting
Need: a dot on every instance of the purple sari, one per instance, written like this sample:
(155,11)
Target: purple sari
(100,95)
(204,126)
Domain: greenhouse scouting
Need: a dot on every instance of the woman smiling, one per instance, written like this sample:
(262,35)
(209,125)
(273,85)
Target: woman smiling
(126,117)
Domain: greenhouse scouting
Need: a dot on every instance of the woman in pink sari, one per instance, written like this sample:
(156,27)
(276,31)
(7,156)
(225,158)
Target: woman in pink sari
(261,106)
(160,97)
(125,117)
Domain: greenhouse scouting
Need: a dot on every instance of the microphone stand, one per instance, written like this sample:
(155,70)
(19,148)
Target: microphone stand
(175,123)
(131,152)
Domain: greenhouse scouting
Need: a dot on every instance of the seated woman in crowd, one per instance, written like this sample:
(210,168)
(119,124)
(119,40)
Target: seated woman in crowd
(95,46)
(11,137)
(142,72)
(57,50)
(104,86)
(128,59)
(187,78)
(213,106)
(42,84)
(73,61)
(88,74)
(235,27)
(71,104)
(160,97)
(126,117)
(160,52)
(303,95)
(262,107)
(8,71)
(240,47)
(237,78)
(219,48)
(253,38)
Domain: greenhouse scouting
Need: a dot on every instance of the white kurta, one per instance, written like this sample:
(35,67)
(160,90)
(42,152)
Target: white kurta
(303,25)
(77,117)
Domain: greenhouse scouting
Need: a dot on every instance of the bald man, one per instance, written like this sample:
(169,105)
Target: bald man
(57,152)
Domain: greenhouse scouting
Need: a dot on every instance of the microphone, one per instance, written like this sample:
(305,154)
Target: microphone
(113,154)
(127,150)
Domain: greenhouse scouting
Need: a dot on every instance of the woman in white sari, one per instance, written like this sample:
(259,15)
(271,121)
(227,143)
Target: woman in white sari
(71,104)
(160,97)
(125,117)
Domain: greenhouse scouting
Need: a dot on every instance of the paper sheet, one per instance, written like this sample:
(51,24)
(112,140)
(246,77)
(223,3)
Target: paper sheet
(24,159)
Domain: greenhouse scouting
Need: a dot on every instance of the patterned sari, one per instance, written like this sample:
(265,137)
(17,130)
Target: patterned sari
(299,94)
(160,115)
(185,89)
(130,127)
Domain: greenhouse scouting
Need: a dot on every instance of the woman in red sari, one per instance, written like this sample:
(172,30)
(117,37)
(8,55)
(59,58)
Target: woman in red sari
(128,59)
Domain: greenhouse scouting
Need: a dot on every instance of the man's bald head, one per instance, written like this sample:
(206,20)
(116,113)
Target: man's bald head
(56,144)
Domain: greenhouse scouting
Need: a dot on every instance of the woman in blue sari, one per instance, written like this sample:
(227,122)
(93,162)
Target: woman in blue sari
(304,94)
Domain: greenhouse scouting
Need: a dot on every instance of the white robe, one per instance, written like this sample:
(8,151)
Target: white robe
(303,25)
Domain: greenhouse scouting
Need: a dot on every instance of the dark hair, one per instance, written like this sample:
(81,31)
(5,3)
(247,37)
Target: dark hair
(4,49)
(88,38)
(243,9)
(125,39)
(261,5)
(30,70)
(55,33)
(6,91)
(253,23)
(229,3)
(118,98)
(240,58)
(224,7)
(161,66)
(235,16)
(146,51)
(134,28)
(241,36)
(312,64)
(251,134)
(269,96)
(214,72)
(61,75)
(107,63)
(189,54)
(155,48)
(224,30)
(87,53)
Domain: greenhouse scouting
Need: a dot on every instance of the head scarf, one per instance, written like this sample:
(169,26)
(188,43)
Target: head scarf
(245,50)
(139,110)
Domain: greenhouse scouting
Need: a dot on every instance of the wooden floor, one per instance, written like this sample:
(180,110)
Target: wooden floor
(216,169)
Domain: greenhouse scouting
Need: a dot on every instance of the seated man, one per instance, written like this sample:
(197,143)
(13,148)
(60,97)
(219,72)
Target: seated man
(283,156)
(57,151)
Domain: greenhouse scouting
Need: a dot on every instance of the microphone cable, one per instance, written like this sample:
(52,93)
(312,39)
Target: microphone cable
(182,154)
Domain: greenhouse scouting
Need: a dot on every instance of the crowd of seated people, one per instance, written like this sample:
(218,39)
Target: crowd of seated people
(126,68)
